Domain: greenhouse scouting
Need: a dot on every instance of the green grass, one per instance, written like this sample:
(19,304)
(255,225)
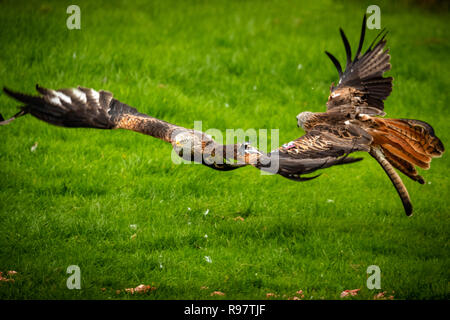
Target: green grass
(72,201)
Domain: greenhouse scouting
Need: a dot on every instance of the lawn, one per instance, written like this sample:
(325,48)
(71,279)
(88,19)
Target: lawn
(114,204)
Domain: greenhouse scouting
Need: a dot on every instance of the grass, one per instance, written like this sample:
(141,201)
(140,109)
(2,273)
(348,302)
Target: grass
(232,65)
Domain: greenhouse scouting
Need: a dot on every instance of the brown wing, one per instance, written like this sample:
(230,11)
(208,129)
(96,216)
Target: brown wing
(87,108)
(322,147)
(362,85)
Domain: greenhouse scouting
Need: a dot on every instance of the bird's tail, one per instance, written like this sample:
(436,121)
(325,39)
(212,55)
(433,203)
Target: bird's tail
(404,144)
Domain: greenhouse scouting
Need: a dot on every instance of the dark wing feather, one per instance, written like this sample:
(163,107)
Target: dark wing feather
(335,62)
(362,84)
(87,108)
(67,107)
(348,49)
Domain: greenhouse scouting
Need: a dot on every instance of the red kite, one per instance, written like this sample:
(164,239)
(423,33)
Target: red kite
(351,123)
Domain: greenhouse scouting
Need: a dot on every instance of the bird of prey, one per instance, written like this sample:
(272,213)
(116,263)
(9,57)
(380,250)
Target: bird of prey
(350,124)
(353,120)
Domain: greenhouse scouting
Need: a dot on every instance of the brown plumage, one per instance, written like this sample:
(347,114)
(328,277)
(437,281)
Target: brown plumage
(87,108)
(356,102)
(350,124)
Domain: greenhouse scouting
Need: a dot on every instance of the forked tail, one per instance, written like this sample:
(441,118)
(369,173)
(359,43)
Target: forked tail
(404,144)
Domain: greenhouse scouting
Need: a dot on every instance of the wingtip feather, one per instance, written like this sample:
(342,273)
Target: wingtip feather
(335,62)
(361,38)
(348,49)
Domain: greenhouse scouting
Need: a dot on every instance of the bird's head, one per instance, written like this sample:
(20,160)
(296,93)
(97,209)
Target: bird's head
(302,118)
(183,143)
(189,144)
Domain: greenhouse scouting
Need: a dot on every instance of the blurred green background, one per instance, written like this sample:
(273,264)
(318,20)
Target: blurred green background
(113,203)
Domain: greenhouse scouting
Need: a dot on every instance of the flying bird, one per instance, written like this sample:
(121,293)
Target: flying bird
(353,120)
(351,123)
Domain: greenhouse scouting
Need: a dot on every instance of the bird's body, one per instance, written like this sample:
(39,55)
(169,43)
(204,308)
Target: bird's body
(404,143)
(351,123)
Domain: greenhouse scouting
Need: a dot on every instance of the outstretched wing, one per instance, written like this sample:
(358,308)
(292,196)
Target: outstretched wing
(87,108)
(322,147)
(362,85)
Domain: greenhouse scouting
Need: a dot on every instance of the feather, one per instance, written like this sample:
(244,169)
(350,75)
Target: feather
(348,49)
(363,75)
(377,153)
(335,62)
(404,166)
(361,39)
(416,137)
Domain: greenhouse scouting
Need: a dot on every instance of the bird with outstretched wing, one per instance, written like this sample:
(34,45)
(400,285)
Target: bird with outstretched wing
(350,124)
(87,108)
(352,121)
